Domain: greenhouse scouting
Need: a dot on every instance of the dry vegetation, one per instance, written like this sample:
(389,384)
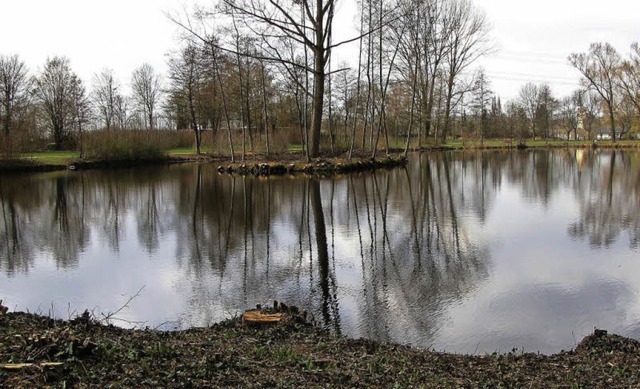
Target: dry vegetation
(289,354)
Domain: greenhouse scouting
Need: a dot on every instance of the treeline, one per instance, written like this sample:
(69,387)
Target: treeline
(606,106)
(253,76)
(52,109)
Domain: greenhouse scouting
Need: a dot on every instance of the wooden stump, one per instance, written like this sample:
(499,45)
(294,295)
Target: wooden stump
(258,318)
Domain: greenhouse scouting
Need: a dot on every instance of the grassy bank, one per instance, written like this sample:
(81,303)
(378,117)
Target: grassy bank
(83,353)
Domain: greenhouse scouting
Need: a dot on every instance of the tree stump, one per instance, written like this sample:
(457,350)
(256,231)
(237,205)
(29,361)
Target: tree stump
(258,318)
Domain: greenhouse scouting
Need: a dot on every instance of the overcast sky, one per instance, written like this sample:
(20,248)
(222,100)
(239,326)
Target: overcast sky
(533,38)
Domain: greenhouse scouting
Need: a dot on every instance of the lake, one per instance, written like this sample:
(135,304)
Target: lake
(468,252)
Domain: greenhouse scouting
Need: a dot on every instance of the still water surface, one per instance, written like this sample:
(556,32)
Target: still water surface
(468,252)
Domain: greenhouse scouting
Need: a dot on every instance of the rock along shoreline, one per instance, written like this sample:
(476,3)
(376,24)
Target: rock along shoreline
(319,167)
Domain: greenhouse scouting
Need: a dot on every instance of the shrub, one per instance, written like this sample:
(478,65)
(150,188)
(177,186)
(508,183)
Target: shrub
(126,144)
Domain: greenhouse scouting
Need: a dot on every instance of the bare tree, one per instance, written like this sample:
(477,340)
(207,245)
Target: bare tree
(215,67)
(481,102)
(424,50)
(106,90)
(468,41)
(496,118)
(146,86)
(545,110)
(590,110)
(54,86)
(528,98)
(630,77)
(187,75)
(307,22)
(569,107)
(358,85)
(517,121)
(122,107)
(600,68)
(14,90)
(627,115)
(80,110)
(265,108)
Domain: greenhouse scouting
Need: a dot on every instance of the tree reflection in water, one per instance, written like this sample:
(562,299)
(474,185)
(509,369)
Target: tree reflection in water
(421,255)
(608,191)
(381,255)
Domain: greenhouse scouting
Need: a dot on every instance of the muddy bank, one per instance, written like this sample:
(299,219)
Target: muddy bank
(84,353)
(18,165)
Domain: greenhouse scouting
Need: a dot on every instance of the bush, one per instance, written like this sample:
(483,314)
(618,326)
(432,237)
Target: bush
(18,142)
(126,144)
(177,139)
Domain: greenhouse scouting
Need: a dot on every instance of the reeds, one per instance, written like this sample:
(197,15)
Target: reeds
(129,144)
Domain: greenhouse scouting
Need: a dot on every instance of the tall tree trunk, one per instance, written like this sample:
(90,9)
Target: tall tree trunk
(247,93)
(265,112)
(613,124)
(193,119)
(317,107)
(224,102)
(355,114)
(242,111)
(447,111)
(240,81)
(413,104)
(330,122)
(319,78)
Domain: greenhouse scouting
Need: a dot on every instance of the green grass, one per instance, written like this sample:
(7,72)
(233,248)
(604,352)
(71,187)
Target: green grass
(52,157)
(294,148)
(181,151)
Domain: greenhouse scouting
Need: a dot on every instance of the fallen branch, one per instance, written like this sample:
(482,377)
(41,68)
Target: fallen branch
(19,366)
(106,319)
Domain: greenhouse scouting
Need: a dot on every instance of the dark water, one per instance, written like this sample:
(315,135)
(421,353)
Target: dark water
(465,252)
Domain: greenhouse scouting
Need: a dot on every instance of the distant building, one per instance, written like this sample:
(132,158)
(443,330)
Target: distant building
(605,134)
(580,114)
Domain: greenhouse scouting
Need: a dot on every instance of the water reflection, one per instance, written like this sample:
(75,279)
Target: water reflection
(608,196)
(459,251)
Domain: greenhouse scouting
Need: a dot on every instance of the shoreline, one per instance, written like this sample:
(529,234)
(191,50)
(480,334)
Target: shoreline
(293,163)
(292,353)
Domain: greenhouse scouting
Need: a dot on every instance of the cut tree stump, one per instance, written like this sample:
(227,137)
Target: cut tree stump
(258,318)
